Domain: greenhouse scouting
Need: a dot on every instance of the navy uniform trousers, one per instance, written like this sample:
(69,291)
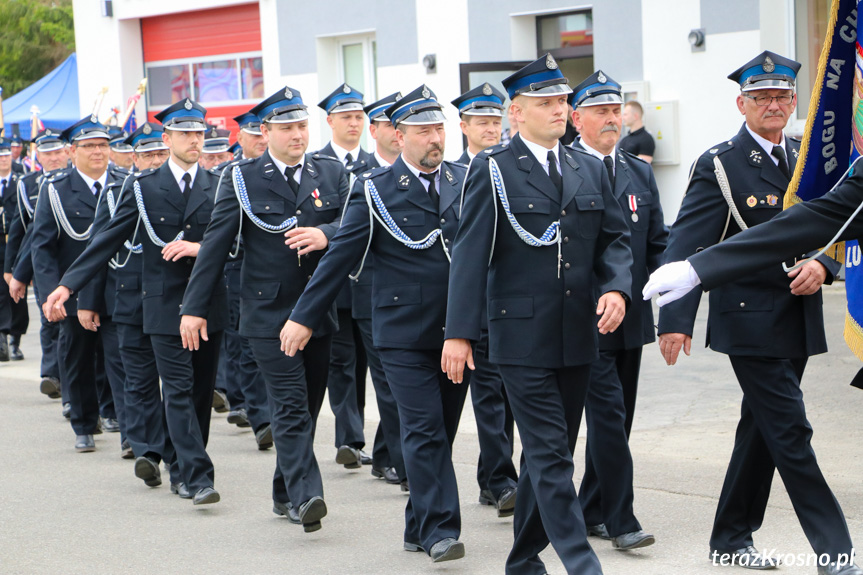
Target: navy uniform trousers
(348,368)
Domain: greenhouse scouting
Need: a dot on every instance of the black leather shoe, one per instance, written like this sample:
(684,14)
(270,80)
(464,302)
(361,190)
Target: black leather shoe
(486,497)
(834,569)
(110,425)
(506,502)
(287,510)
(206,496)
(220,401)
(14,348)
(126,450)
(84,443)
(311,512)
(632,540)
(598,531)
(387,473)
(447,550)
(239,417)
(365,458)
(181,490)
(747,557)
(264,437)
(50,386)
(406,487)
(349,457)
(413,547)
(147,470)
(67,410)
(4,348)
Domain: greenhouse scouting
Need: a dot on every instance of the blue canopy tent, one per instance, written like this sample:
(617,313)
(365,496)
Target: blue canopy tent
(56,96)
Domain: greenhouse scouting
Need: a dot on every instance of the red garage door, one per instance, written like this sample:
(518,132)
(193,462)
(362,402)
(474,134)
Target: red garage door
(211,56)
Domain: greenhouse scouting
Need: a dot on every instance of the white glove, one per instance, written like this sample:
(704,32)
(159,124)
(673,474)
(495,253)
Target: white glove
(673,281)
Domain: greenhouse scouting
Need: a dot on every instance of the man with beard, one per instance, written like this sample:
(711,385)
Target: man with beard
(52,155)
(301,195)
(767,330)
(398,214)
(606,493)
(542,236)
(174,205)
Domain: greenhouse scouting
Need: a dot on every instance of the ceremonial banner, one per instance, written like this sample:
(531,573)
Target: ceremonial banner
(832,140)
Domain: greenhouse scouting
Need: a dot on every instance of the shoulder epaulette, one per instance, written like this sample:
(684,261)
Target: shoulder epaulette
(29,176)
(720,148)
(375,172)
(581,151)
(145,173)
(795,138)
(119,172)
(493,150)
(631,156)
(59,175)
(320,156)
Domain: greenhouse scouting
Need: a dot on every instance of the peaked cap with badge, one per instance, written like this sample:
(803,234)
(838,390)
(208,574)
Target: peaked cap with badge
(284,107)
(541,78)
(484,100)
(418,108)
(147,138)
(183,116)
(598,89)
(342,99)
(376,111)
(88,128)
(767,71)
(249,123)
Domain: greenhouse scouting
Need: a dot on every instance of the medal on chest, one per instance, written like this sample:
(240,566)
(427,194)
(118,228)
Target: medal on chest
(633,207)
(317,195)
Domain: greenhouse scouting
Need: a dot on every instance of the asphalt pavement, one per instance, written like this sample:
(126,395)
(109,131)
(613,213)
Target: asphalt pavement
(65,512)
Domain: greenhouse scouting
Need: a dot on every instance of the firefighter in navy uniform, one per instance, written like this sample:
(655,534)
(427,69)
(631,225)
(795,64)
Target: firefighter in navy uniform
(416,207)
(14,315)
(481,114)
(18,265)
(174,205)
(606,493)
(767,331)
(285,192)
(542,234)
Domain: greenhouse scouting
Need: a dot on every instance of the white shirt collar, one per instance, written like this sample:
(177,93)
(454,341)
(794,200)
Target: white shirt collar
(90,181)
(766,144)
(424,181)
(541,153)
(281,167)
(7,179)
(178,173)
(382,162)
(341,152)
(470,155)
(597,153)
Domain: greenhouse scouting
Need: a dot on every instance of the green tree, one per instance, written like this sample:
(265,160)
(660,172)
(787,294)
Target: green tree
(35,37)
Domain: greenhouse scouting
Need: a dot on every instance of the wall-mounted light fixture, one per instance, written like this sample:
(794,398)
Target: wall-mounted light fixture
(430,62)
(696,39)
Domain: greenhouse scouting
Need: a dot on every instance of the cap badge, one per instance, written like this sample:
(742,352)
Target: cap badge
(601,78)
(213,133)
(714,150)
(93,118)
(751,201)
(346,89)
(768,65)
(550,63)
(288,94)
(486,89)
(147,129)
(426,94)
(48,132)
(188,104)
(398,96)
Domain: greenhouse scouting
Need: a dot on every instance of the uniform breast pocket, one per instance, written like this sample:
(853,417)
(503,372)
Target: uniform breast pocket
(399,311)
(528,205)
(164,221)
(408,218)
(326,202)
(758,207)
(152,289)
(643,204)
(264,207)
(510,326)
(260,290)
(589,208)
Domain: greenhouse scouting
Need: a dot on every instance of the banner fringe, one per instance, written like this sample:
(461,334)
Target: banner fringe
(854,336)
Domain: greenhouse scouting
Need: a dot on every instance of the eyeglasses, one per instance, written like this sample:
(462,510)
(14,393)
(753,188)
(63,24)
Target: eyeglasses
(153,155)
(93,147)
(765,100)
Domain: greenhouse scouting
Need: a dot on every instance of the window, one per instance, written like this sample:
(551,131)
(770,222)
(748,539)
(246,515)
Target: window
(567,35)
(219,81)
(811,18)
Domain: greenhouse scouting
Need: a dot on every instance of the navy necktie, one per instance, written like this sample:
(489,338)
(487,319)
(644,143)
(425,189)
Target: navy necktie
(779,153)
(187,180)
(553,173)
(432,191)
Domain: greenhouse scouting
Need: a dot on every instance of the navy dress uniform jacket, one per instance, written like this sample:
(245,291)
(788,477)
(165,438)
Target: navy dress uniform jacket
(535,318)
(361,288)
(798,229)
(164,282)
(756,314)
(648,236)
(408,291)
(19,219)
(272,280)
(53,250)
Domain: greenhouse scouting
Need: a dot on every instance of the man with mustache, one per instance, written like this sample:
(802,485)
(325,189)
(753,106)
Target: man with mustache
(606,493)
(767,330)
(406,216)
